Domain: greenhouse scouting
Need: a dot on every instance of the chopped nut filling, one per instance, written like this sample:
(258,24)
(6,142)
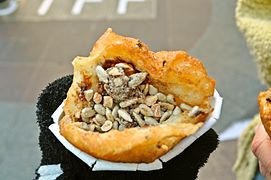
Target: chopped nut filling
(125,99)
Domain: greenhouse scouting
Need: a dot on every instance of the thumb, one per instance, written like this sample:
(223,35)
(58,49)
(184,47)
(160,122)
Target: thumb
(261,147)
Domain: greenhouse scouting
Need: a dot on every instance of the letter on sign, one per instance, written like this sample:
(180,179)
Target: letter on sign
(44,7)
(123,4)
(79,4)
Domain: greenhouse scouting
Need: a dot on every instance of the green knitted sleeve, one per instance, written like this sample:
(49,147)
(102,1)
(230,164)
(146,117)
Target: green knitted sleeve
(254,21)
(246,163)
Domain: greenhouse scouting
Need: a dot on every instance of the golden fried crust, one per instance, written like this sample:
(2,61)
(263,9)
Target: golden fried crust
(264,100)
(173,72)
(133,145)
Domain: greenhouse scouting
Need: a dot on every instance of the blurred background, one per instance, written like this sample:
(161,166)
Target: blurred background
(40,38)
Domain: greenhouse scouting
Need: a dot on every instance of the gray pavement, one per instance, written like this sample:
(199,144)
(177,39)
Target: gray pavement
(219,165)
(19,151)
(36,50)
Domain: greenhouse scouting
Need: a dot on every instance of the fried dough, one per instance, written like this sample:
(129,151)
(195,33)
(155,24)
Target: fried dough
(172,72)
(264,100)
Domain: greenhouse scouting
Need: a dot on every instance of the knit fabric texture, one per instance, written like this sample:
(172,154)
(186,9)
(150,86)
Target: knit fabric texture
(253,18)
(246,163)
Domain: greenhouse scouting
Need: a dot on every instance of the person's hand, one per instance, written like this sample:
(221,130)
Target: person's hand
(261,147)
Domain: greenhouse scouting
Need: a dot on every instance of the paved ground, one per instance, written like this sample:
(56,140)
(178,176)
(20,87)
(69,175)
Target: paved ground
(219,165)
(36,50)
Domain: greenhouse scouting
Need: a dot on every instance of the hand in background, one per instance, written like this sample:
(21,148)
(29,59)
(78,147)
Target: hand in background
(261,147)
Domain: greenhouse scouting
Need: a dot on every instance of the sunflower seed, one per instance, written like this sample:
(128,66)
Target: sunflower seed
(97,98)
(107,126)
(194,111)
(84,126)
(146,90)
(118,119)
(141,100)
(156,110)
(91,104)
(170,99)
(123,122)
(176,111)
(108,101)
(107,88)
(137,79)
(102,74)
(173,118)
(92,127)
(125,115)
(86,119)
(121,127)
(100,118)
(99,109)
(118,81)
(95,121)
(126,78)
(115,125)
(136,110)
(141,87)
(152,90)
(123,65)
(150,100)
(165,116)
(98,128)
(166,106)
(184,106)
(88,94)
(161,97)
(114,72)
(145,110)
(130,111)
(108,114)
(115,111)
(138,119)
(128,102)
(130,125)
(150,120)
(87,112)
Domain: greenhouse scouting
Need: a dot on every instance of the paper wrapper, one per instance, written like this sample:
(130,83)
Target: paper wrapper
(102,165)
